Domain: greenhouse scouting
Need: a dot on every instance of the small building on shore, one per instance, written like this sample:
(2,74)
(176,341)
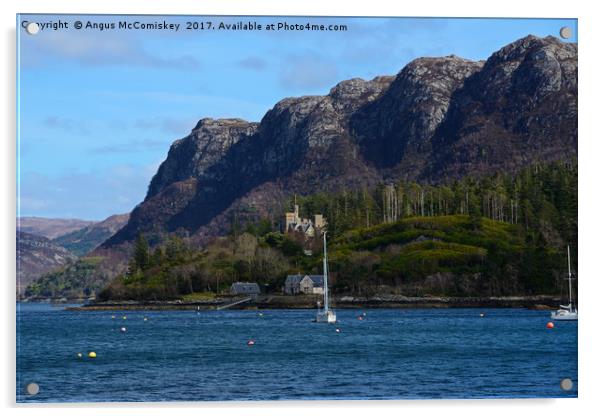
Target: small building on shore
(244,288)
(304,284)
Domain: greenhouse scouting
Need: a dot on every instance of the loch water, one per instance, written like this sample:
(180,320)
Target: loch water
(199,356)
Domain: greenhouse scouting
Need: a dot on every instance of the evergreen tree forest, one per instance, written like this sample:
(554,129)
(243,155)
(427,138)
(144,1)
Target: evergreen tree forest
(542,199)
(490,236)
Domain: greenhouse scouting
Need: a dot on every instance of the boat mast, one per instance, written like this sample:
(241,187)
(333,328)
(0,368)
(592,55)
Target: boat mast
(325,276)
(568,250)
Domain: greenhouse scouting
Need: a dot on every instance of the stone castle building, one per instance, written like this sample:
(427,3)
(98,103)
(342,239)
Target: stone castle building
(292,222)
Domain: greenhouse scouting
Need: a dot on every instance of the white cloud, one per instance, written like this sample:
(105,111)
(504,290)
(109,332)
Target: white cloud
(253,62)
(308,71)
(86,195)
(97,50)
(66,124)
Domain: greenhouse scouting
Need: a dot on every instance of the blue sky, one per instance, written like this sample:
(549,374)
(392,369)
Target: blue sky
(98,110)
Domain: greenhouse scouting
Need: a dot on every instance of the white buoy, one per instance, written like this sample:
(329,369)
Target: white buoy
(123,329)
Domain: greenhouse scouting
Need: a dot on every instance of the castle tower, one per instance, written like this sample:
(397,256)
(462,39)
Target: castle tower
(291,218)
(319,221)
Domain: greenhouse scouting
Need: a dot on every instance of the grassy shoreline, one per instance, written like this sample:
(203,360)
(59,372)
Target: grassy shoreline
(541,302)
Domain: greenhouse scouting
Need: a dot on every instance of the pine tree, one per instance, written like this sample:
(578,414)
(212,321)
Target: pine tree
(141,253)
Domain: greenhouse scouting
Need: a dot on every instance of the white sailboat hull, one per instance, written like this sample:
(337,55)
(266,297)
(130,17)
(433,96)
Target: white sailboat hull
(328,317)
(567,312)
(564,315)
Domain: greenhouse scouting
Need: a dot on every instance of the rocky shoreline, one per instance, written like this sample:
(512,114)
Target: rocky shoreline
(539,302)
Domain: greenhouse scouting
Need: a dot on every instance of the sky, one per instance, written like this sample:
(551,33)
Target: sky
(98,109)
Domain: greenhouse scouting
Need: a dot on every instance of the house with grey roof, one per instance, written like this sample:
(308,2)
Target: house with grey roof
(309,284)
(244,288)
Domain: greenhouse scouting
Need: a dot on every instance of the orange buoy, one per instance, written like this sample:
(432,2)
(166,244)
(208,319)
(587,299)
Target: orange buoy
(250,343)
(550,325)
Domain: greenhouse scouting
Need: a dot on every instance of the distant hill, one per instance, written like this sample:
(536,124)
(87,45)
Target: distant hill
(50,227)
(78,280)
(84,240)
(37,255)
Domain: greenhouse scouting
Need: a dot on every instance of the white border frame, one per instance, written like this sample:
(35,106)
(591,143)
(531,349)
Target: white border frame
(590,347)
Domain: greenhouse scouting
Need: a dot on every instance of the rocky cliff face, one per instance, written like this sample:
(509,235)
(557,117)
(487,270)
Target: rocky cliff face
(438,118)
(521,106)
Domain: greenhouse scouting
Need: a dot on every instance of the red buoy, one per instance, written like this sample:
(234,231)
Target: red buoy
(550,325)
(250,342)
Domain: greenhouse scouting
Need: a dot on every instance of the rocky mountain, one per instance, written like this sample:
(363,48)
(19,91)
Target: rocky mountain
(82,241)
(437,119)
(37,255)
(50,227)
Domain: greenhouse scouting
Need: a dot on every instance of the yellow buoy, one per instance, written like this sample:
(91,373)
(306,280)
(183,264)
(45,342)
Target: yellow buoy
(92,354)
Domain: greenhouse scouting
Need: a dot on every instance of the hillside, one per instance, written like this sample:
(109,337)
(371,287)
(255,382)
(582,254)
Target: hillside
(447,255)
(50,227)
(79,279)
(37,255)
(453,255)
(85,239)
(437,120)
(502,235)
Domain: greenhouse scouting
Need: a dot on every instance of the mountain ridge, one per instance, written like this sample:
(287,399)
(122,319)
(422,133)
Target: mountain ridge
(51,227)
(438,118)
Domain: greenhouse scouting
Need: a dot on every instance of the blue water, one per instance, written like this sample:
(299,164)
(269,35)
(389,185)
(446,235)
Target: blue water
(391,354)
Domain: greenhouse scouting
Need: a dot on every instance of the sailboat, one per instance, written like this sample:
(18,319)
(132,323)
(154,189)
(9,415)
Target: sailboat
(326,314)
(567,312)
